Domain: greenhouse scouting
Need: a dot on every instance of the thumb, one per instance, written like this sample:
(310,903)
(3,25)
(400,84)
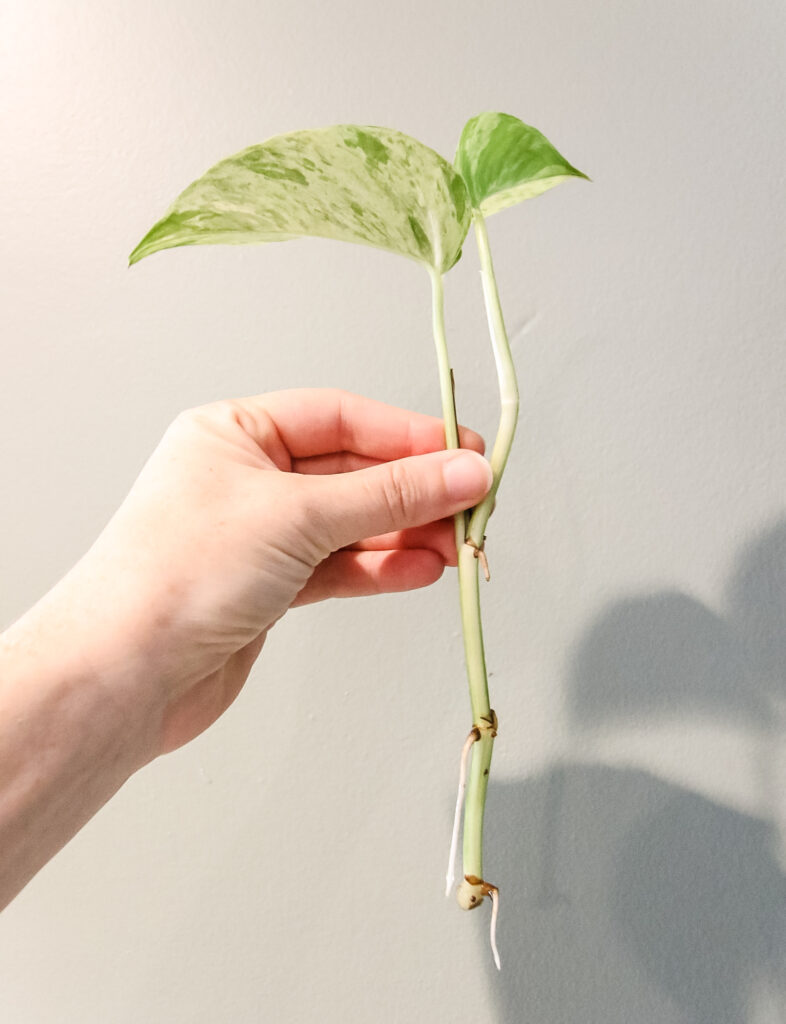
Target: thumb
(397,495)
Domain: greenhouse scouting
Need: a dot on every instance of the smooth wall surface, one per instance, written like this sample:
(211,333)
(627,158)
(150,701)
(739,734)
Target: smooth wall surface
(292,871)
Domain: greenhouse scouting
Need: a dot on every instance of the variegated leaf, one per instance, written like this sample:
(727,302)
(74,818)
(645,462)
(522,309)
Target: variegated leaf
(504,161)
(356,184)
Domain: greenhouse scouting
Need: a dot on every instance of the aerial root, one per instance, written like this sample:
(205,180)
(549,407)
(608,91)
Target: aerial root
(473,737)
(494,894)
(471,894)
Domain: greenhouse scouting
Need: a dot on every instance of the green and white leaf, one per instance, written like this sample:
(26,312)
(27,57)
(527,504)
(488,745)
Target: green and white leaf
(357,184)
(504,161)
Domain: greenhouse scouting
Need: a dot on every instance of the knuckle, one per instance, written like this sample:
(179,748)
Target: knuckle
(195,415)
(400,494)
(219,416)
(306,517)
(184,417)
(182,426)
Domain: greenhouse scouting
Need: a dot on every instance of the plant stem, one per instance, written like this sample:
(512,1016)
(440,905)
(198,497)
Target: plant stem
(470,536)
(483,718)
(469,597)
(506,373)
(445,383)
(474,887)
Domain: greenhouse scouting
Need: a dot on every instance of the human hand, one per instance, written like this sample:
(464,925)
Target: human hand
(245,509)
(249,507)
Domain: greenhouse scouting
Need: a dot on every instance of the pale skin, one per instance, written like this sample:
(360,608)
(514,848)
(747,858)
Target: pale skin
(247,508)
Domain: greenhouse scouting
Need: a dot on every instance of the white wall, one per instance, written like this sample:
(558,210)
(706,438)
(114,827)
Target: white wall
(292,871)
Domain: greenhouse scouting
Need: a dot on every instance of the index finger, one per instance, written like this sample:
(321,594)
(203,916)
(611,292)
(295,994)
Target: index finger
(321,421)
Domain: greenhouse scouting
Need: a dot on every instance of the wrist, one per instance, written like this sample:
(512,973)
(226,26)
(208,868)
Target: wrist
(83,645)
(76,721)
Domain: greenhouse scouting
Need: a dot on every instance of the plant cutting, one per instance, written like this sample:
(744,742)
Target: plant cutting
(379,187)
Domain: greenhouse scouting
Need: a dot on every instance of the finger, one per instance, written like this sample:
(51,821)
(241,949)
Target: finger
(320,421)
(361,573)
(335,462)
(439,537)
(393,496)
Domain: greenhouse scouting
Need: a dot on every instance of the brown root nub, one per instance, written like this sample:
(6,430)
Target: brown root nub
(489,723)
(470,893)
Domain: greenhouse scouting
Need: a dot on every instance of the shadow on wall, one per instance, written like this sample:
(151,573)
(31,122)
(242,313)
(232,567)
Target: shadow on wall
(629,900)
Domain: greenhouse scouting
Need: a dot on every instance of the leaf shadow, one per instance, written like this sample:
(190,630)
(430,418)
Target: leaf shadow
(628,897)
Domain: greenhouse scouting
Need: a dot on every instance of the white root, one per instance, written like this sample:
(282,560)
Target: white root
(494,894)
(450,878)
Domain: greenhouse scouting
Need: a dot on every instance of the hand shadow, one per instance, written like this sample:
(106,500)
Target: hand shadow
(628,899)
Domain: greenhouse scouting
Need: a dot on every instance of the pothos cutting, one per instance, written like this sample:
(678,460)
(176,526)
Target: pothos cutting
(382,188)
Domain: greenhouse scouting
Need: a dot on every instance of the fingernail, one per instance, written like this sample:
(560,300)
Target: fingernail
(467,476)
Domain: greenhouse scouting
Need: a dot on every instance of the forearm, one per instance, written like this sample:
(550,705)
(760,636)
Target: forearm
(77,718)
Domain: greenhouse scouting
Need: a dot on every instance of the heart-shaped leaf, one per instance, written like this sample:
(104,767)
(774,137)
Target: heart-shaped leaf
(357,184)
(504,161)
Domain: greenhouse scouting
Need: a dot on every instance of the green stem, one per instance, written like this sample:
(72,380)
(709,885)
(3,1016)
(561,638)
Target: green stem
(469,598)
(482,718)
(474,887)
(445,383)
(506,373)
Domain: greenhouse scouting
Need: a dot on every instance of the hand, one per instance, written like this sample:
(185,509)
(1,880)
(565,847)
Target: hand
(245,509)
(250,507)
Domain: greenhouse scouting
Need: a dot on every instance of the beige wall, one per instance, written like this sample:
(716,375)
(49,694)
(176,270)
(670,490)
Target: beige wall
(291,869)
